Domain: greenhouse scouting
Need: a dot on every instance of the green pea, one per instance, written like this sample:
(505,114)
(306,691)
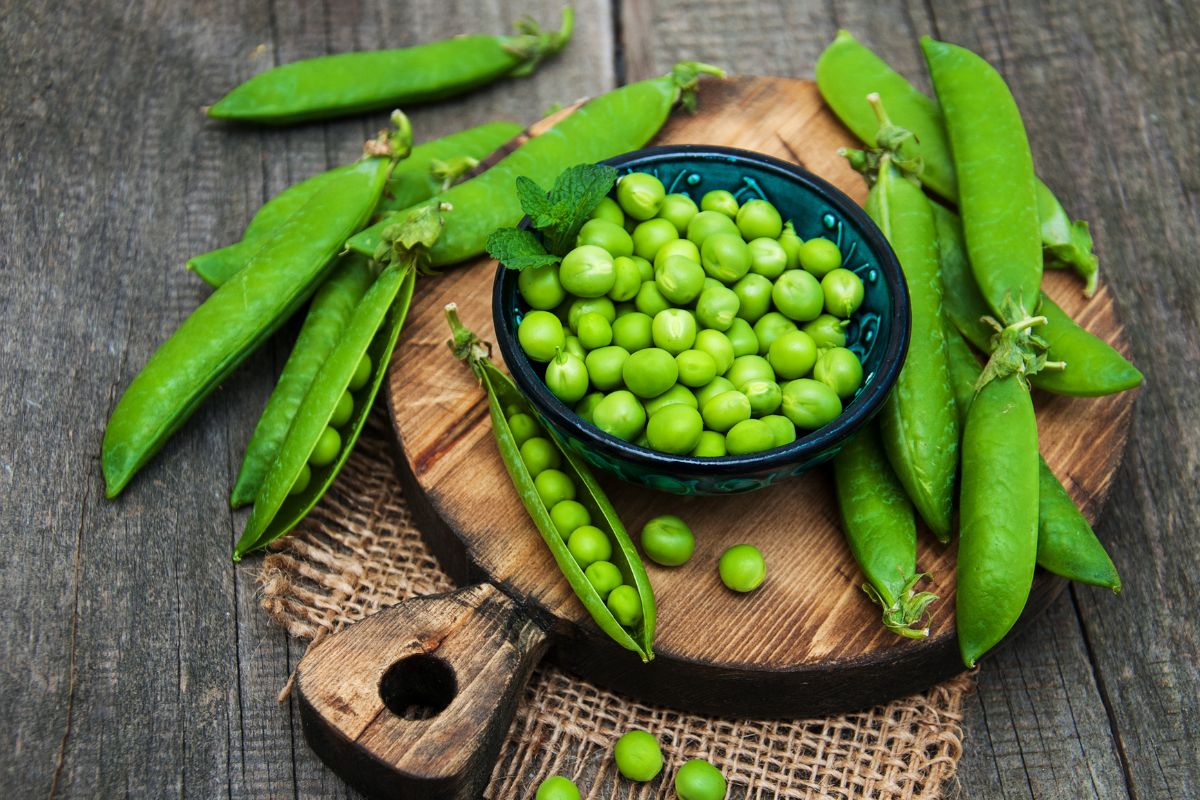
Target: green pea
(651,235)
(674,330)
(540,455)
(607,209)
(754,297)
(567,376)
(742,568)
(342,411)
(758,219)
(540,287)
(523,427)
(717,307)
(810,404)
(586,305)
(712,445)
(696,368)
(764,396)
(820,256)
(717,386)
(625,605)
(679,279)
(302,481)
(843,292)
(725,410)
(540,335)
(720,201)
(650,372)
(826,331)
(638,756)
(604,576)
(798,295)
(605,235)
(718,346)
(749,436)
(632,331)
(725,257)
(585,407)
(362,373)
(706,223)
(840,370)
(649,299)
(588,271)
(573,346)
(767,258)
(628,279)
(645,268)
(742,337)
(791,244)
(589,544)
(749,368)
(771,326)
(674,429)
(667,540)
(594,331)
(556,787)
(640,195)
(569,515)
(553,486)
(604,366)
(699,780)
(326,450)
(781,428)
(678,209)
(642,441)
(676,395)
(792,355)
(677,247)
(620,414)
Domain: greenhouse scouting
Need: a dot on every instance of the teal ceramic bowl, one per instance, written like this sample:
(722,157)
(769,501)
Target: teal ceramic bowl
(878,333)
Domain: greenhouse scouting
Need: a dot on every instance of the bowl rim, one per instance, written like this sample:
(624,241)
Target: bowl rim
(863,407)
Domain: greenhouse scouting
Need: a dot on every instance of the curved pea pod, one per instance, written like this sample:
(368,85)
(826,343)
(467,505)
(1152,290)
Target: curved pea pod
(1067,545)
(503,394)
(621,120)
(348,83)
(328,315)
(1093,368)
(880,528)
(235,319)
(919,422)
(847,71)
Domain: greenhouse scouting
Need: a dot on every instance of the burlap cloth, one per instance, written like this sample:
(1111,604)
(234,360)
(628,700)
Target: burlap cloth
(358,552)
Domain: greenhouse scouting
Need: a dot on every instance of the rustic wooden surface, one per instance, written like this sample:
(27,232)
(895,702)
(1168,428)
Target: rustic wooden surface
(835,655)
(134,660)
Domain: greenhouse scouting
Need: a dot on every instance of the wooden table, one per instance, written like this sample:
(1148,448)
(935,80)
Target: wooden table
(134,660)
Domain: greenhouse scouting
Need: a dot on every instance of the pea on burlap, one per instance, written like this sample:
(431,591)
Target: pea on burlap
(358,552)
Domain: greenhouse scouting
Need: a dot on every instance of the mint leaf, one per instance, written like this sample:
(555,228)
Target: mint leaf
(518,249)
(535,203)
(576,193)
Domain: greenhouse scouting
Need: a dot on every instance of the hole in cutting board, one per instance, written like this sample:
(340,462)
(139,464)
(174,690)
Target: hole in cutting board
(418,687)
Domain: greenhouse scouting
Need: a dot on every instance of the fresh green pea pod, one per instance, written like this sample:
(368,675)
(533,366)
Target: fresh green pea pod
(1093,368)
(503,394)
(880,528)
(847,72)
(1067,545)
(235,319)
(621,120)
(348,83)
(328,315)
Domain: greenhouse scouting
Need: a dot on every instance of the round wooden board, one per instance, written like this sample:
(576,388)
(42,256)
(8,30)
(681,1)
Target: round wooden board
(808,641)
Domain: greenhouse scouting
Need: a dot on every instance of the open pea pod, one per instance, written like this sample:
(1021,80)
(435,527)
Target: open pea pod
(502,393)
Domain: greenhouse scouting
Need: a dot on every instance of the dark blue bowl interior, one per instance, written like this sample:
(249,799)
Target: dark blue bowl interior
(878,333)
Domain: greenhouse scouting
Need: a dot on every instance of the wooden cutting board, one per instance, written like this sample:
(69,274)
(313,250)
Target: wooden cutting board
(808,642)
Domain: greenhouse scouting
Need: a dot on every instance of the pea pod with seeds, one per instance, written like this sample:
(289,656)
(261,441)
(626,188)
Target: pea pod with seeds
(637,632)
(348,83)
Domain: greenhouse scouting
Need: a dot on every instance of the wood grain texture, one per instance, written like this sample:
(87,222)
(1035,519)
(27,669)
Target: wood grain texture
(808,642)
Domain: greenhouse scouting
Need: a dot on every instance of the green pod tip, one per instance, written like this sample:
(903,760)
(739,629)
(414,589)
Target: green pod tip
(395,142)
(908,616)
(533,45)
(1016,349)
(686,77)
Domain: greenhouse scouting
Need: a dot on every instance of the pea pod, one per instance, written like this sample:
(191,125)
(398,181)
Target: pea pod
(1067,545)
(1093,367)
(411,181)
(348,83)
(502,393)
(847,72)
(621,120)
(235,319)
(880,528)
(330,312)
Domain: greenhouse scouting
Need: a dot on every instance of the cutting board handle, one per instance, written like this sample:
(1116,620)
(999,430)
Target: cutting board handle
(415,700)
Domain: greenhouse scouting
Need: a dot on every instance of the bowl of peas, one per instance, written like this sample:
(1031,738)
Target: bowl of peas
(725,320)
